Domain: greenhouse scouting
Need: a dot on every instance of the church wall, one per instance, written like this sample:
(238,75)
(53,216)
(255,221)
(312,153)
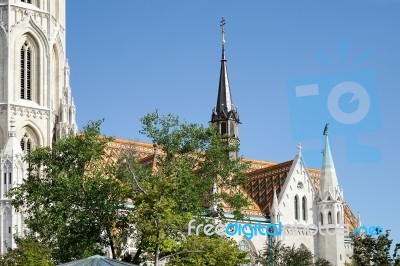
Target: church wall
(3,63)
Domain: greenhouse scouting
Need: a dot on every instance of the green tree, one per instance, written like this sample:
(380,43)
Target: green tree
(211,251)
(71,199)
(370,250)
(282,255)
(191,173)
(28,252)
(322,262)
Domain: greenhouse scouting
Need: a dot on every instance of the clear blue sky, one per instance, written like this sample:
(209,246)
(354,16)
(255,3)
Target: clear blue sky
(129,58)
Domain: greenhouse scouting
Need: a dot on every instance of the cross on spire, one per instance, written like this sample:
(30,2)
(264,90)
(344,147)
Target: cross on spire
(222,24)
(299,148)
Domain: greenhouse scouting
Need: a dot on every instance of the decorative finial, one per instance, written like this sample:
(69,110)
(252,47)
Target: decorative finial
(12,127)
(326,132)
(223,30)
(12,123)
(299,148)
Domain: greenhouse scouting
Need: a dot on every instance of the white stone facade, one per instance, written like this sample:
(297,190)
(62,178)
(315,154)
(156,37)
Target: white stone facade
(313,211)
(34,92)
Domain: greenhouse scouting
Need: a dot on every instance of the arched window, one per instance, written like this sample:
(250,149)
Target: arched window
(338,218)
(296,207)
(304,208)
(27,1)
(322,218)
(248,247)
(329,217)
(224,128)
(26,71)
(26,143)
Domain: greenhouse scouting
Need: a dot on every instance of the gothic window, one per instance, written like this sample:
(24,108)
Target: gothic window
(322,218)
(244,245)
(329,217)
(26,71)
(27,1)
(232,129)
(296,207)
(304,207)
(224,129)
(26,143)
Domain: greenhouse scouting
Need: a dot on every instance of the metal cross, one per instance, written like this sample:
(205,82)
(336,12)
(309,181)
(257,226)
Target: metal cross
(222,24)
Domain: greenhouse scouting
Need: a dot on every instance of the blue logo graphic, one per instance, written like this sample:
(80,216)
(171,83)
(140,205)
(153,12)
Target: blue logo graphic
(348,101)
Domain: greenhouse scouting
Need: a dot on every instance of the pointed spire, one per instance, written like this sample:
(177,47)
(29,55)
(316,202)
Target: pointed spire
(329,182)
(359,224)
(275,201)
(224,102)
(275,213)
(12,145)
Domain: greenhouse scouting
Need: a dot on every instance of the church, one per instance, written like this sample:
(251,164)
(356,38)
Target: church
(36,108)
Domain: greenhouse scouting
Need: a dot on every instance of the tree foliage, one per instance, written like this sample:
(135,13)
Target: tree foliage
(282,255)
(191,173)
(28,252)
(211,251)
(370,250)
(71,199)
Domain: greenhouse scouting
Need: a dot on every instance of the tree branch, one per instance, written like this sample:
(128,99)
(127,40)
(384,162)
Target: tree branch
(136,183)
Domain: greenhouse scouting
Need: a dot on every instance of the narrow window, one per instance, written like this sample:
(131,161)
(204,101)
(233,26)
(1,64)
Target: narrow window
(5,178)
(9,178)
(22,72)
(329,217)
(304,208)
(232,129)
(338,217)
(28,145)
(9,229)
(223,128)
(26,72)
(322,218)
(296,207)
(22,143)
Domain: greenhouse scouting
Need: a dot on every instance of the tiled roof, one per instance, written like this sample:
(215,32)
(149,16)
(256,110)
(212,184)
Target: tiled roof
(263,176)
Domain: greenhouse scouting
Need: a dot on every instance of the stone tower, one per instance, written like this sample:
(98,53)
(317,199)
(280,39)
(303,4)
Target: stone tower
(36,105)
(331,210)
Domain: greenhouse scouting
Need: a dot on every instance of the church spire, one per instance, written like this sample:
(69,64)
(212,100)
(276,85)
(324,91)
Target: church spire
(329,181)
(331,209)
(224,101)
(224,115)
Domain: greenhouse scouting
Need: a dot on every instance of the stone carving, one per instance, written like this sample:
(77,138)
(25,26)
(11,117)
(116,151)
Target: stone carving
(29,112)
